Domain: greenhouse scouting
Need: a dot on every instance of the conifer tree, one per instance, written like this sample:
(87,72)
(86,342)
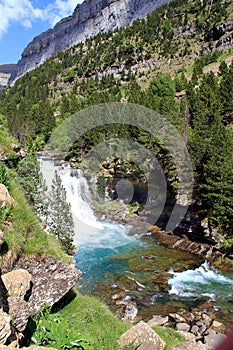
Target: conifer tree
(60,221)
(211,148)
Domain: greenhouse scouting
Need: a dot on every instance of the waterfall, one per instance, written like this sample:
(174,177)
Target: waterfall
(99,242)
(88,230)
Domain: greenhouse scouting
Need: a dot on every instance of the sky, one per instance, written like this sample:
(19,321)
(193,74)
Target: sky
(22,20)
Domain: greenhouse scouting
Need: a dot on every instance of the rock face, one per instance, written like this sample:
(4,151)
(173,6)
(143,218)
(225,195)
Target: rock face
(89,18)
(51,280)
(38,281)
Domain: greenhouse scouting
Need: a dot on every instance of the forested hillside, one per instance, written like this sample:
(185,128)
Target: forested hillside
(178,62)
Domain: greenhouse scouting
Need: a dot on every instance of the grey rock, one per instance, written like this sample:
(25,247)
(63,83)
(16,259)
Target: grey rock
(158,321)
(19,312)
(184,327)
(177,317)
(88,19)
(195,330)
(189,345)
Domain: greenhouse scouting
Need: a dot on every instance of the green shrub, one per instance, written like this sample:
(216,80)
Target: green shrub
(4,177)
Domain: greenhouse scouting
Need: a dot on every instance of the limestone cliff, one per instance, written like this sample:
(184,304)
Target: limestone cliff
(88,19)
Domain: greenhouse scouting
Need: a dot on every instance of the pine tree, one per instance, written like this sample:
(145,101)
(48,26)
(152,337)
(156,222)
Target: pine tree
(211,148)
(60,218)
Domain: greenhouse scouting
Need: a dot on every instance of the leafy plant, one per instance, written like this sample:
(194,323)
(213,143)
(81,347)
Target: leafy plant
(56,331)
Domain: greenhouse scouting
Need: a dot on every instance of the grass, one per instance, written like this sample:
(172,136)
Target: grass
(170,336)
(85,321)
(23,231)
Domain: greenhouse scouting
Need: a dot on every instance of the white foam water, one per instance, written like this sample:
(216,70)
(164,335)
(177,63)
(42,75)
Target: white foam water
(204,281)
(89,230)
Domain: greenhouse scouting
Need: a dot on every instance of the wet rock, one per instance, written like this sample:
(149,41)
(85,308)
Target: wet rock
(118,295)
(17,282)
(158,321)
(131,312)
(141,336)
(5,327)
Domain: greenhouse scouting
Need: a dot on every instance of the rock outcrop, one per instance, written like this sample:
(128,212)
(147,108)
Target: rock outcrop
(89,18)
(5,199)
(37,281)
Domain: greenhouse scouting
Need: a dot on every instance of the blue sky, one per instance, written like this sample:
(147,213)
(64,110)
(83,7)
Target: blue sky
(22,20)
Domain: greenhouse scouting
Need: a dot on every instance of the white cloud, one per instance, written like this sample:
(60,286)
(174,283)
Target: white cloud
(60,9)
(23,12)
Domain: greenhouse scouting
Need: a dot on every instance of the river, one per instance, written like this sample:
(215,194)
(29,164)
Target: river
(157,279)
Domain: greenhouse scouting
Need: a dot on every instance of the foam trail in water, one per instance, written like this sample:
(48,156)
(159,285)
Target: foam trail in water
(199,282)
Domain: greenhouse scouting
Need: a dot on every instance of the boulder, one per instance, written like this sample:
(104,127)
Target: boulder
(5,327)
(141,336)
(131,312)
(158,321)
(51,280)
(212,339)
(5,199)
(218,327)
(184,327)
(17,282)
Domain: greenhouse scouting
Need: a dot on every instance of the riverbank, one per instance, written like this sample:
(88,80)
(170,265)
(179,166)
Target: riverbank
(205,249)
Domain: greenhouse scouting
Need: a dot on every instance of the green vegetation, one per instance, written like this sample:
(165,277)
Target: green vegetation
(4,177)
(170,336)
(201,110)
(60,221)
(86,322)
(23,231)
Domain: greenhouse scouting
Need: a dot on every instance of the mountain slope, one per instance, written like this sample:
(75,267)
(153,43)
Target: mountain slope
(5,73)
(89,18)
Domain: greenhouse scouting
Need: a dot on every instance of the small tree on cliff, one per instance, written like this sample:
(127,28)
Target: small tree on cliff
(60,218)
